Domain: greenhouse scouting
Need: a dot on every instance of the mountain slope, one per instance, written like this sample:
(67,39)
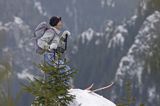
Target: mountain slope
(119,53)
(132,65)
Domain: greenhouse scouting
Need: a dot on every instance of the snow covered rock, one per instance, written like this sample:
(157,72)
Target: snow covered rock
(87,98)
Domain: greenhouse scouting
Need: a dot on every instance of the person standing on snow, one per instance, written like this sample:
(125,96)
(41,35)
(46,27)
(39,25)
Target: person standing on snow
(52,40)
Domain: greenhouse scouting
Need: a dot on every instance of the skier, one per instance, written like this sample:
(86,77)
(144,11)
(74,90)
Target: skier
(53,41)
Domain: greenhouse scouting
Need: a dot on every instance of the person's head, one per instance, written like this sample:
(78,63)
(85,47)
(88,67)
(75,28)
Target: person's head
(56,22)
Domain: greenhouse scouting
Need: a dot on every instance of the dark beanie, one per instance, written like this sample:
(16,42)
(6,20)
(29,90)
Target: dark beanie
(54,20)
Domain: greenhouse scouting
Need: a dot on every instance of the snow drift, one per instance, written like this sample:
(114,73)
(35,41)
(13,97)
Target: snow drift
(88,98)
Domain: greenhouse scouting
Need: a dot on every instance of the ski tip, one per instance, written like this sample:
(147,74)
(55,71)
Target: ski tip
(89,88)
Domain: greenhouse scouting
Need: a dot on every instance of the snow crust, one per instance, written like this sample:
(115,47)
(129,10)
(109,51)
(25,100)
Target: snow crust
(87,98)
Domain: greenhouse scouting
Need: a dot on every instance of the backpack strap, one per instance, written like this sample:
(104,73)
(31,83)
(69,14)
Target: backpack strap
(52,37)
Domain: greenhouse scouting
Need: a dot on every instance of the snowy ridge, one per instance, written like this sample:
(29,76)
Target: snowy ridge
(118,36)
(87,98)
(114,36)
(88,35)
(118,39)
(132,63)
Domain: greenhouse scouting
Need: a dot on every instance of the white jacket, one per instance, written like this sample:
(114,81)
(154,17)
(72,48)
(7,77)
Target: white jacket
(51,40)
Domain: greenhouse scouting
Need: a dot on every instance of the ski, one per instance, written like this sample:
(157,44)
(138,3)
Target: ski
(102,88)
(99,89)
(90,87)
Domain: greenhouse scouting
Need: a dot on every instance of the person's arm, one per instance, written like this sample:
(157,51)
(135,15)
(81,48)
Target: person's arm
(44,41)
(64,38)
(65,35)
(55,43)
(62,45)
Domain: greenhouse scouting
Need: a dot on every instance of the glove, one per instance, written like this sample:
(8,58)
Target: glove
(52,46)
(65,35)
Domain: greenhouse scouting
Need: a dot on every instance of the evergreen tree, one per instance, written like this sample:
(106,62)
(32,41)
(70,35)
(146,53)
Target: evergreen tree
(53,89)
(128,99)
(153,60)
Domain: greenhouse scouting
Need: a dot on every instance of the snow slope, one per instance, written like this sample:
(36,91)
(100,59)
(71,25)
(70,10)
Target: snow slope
(87,98)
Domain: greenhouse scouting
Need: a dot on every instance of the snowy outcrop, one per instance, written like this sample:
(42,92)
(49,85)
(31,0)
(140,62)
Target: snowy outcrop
(132,65)
(114,35)
(118,36)
(126,45)
(87,98)
(88,35)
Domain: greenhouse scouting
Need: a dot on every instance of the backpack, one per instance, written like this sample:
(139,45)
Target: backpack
(38,33)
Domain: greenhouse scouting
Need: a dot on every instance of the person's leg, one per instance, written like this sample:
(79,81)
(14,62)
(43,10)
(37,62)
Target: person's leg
(49,58)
